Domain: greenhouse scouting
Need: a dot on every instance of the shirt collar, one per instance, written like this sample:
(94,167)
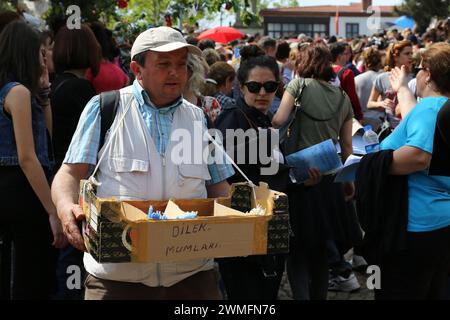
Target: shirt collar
(143,99)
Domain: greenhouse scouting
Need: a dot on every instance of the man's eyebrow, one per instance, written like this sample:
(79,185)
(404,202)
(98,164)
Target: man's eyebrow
(164,59)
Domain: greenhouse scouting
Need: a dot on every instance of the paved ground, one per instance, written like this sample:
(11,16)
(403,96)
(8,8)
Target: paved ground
(362,294)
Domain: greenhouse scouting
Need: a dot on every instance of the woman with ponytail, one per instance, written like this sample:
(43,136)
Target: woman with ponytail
(220,83)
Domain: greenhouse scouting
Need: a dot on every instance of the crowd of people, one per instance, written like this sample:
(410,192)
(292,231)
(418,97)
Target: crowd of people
(395,215)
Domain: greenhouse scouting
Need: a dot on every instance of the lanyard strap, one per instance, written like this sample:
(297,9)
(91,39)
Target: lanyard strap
(210,138)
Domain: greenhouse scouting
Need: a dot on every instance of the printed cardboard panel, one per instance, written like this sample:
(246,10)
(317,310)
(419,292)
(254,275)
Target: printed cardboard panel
(226,233)
(121,232)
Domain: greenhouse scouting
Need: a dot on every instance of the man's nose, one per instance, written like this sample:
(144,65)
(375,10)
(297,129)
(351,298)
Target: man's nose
(173,70)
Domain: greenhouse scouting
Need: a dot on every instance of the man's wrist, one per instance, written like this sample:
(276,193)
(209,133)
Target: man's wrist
(64,209)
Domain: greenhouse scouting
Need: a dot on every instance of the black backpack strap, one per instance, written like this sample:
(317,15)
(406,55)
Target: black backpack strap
(341,72)
(109,101)
(285,130)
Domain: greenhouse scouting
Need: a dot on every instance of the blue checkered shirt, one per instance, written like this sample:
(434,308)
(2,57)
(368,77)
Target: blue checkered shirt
(223,99)
(85,141)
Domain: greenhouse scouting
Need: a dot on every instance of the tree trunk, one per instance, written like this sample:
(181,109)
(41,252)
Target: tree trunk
(238,22)
(254,6)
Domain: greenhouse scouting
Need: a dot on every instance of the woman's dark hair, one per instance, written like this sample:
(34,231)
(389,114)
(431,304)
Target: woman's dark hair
(283,51)
(6,17)
(314,61)
(251,51)
(104,38)
(206,43)
(260,61)
(76,49)
(337,49)
(372,59)
(192,40)
(437,59)
(430,35)
(19,58)
(218,72)
(267,42)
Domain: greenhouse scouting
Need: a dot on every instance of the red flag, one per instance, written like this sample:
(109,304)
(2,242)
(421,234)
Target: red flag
(337,21)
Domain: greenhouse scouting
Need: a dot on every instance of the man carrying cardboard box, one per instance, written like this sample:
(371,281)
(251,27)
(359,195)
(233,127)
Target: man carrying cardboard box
(135,162)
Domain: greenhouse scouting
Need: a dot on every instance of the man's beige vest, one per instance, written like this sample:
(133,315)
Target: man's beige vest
(132,168)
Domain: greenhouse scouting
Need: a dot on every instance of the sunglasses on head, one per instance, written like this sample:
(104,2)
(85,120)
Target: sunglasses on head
(255,87)
(419,68)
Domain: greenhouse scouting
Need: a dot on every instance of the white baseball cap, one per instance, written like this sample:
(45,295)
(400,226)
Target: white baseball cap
(161,39)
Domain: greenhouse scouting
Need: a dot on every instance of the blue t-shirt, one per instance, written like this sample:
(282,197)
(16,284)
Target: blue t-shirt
(429,196)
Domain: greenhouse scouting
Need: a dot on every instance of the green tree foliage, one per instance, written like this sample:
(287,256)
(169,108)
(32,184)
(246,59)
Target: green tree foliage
(423,11)
(190,11)
(285,3)
(140,14)
(104,10)
(150,11)
(5,6)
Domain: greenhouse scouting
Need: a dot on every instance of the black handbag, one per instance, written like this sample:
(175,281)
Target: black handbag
(289,132)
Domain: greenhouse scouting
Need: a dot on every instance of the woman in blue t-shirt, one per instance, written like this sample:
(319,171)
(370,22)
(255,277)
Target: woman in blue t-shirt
(28,217)
(421,271)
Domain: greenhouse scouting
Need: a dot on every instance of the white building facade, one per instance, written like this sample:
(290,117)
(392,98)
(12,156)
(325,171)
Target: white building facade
(356,19)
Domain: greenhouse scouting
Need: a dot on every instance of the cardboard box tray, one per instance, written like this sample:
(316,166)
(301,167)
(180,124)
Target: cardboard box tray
(121,232)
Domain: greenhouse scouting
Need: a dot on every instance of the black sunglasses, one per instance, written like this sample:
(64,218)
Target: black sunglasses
(255,87)
(417,69)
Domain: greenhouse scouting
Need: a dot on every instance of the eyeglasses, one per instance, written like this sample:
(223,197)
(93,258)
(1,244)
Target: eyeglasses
(419,68)
(255,87)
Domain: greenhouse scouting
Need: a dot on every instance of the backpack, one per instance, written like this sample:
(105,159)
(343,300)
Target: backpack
(109,102)
(341,72)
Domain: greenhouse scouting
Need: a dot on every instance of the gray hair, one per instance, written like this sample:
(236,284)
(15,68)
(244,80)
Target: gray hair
(198,69)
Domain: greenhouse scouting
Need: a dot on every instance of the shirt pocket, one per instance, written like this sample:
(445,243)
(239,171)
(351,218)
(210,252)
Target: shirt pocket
(132,177)
(120,165)
(194,172)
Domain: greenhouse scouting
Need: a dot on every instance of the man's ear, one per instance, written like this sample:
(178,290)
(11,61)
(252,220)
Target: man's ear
(136,68)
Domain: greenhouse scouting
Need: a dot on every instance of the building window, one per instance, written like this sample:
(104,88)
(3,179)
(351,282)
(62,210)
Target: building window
(305,28)
(278,30)
(292,30)
(351,30)
(311,29)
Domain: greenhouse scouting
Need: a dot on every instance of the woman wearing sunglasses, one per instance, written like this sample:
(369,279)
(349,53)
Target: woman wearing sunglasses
(253,277)
(319,214)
